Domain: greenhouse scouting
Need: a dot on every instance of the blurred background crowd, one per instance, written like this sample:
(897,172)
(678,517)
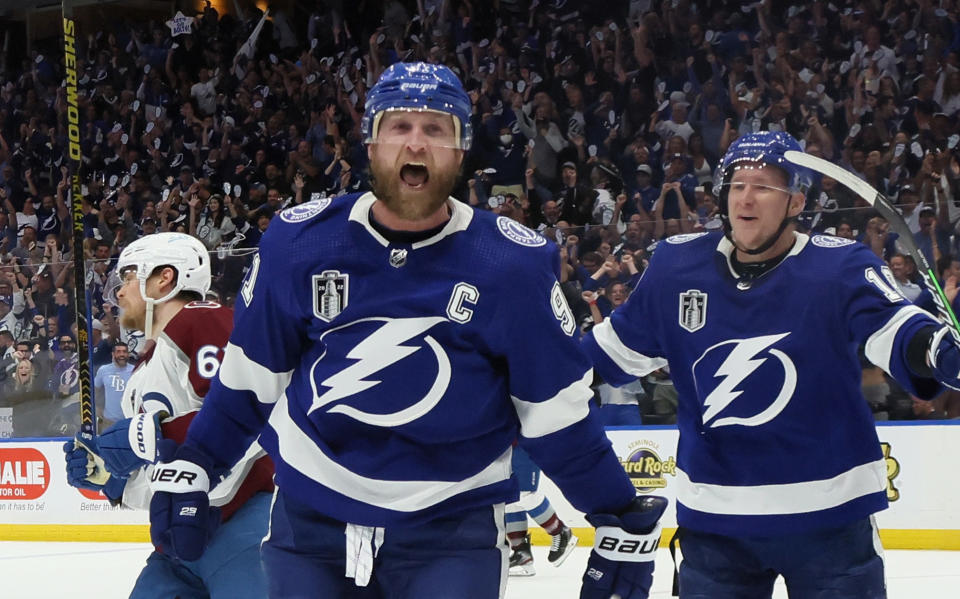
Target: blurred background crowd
(598,124)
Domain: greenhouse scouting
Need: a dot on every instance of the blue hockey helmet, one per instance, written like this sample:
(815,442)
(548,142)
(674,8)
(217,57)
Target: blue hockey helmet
(418,86)
(763,147)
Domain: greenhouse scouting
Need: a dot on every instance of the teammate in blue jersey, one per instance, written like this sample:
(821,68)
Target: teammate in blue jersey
(779,469)
(388,348)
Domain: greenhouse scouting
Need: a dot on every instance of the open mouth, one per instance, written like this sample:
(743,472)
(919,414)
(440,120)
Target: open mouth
(414,174)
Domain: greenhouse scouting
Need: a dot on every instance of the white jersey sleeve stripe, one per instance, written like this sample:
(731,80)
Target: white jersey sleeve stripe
(302,453)
(879,346)
(629,361)
(223,493)
(240,373)
(790,498)
(567,407)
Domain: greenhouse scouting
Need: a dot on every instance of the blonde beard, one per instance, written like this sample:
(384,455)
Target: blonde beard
(387,186)
(133,322)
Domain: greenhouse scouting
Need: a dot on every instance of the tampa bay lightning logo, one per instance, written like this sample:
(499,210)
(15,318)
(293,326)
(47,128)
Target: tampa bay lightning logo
(517,233)
(829,241)
(70,376)
(748,380)
(307,210)
(365,354)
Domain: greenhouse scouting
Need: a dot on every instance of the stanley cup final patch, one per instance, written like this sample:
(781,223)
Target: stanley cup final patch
(330,294)
(693,309)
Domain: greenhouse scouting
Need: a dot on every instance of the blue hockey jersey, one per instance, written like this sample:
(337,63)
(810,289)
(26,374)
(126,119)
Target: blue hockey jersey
(775,435)
(387,380)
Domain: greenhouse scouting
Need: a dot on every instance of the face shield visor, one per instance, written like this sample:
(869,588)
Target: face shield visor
(116,280)
(402,126)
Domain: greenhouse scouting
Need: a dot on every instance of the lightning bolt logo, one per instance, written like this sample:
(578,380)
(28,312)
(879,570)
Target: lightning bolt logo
(383,348)
(740,364)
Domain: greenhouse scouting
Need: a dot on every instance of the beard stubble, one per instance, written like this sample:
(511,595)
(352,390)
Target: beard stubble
(409,205)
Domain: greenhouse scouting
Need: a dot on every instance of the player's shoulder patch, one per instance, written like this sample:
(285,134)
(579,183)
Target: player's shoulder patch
(305,211)
(518,233)
(829,241)
(685,237)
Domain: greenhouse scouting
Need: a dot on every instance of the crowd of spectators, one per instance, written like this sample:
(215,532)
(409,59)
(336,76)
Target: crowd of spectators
(598,124)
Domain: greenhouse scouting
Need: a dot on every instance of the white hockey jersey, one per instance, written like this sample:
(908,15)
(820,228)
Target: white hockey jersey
(173,376)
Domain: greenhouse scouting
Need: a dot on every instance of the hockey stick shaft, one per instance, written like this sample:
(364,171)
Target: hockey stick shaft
(887,210)
(88,416)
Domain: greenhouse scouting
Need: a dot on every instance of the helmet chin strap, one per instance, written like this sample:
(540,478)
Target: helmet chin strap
(150,303)
(148,318)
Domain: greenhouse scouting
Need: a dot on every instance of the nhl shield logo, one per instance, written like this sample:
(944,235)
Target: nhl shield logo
(693,310)
(398,257)
(330,294)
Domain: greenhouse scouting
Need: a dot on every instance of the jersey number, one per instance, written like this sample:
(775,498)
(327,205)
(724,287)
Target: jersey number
(207,362)
(884,283)
(246,292)
(561,310)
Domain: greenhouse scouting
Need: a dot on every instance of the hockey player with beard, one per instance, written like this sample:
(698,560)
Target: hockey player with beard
(388,348)
(159,285)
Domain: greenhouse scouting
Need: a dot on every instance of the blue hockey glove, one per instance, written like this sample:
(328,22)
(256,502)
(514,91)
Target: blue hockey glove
(130,443)
(181,519)
(624,551)
(944,358)
(85,469)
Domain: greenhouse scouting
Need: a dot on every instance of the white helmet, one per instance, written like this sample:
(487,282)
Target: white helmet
(183,252)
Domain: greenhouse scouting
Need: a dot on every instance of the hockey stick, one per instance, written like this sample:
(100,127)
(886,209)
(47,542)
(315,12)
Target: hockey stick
(887,210)
(88,416)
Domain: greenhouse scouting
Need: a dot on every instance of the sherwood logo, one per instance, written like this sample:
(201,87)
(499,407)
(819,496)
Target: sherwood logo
(73,109)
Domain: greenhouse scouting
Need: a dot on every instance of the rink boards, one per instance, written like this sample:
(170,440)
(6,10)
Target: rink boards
(923,485)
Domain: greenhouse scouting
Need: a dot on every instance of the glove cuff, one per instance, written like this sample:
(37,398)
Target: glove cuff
(933,349)
(113,490)
(179,476)
(944,358)
(144,434)
(615,544)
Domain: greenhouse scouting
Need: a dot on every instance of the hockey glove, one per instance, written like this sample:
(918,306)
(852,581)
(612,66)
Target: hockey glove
(624,551)
(85,470)
(943,356)
(181,519)
(130,443)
